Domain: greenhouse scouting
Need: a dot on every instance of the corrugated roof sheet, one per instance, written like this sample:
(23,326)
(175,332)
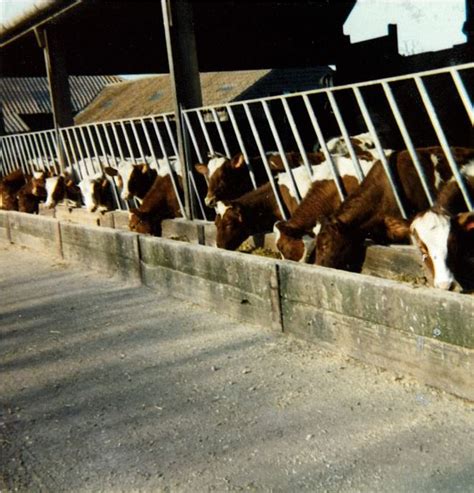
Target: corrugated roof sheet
(153,95)
(30,95)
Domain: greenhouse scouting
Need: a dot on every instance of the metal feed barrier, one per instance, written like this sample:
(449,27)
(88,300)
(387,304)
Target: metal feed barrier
(298,121)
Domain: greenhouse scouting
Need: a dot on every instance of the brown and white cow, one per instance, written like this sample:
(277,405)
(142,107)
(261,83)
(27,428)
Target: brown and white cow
(230,179)
(9,188)
(134,180)
(363,215)
(159,203)
(32,193)
(61,188)
(257,211)
(444,234)
(96,192)
(296,237)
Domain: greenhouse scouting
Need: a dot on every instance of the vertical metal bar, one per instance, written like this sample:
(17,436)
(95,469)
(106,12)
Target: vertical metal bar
(205,132)
(378,146)
(35,151)
(9,156)
(57,149)
(75,161)
(406,137)
(24,153)
(149,142)
(281,151)
(3,161)
(94,147)
(40,136)
(322,143)
(23,164)
(100,162)
(186,128)
(111,150)
(345,134)
(127,141)
(261,150)
(170,170)
(41,157)
(29,152)
(463,94)
(109,159)
(88,161)
(170,134)
(117,141)
(137,141)
(18,154)
(37,136)
(221,132)
(242,147)
(193,136)
(81,164)
(296,135)
(442,140)
(65,148)
(50,151)
(123,204)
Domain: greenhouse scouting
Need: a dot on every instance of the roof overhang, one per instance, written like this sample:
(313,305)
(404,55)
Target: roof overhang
(126,37)
(39,14)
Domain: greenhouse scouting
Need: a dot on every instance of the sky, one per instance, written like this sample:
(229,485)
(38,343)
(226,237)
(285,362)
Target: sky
(423,25)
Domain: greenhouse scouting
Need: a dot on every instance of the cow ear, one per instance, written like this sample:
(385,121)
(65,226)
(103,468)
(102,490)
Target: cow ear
(201,168)
(145,168)
(466,221)
(397,228)
(110,171)
(238,161)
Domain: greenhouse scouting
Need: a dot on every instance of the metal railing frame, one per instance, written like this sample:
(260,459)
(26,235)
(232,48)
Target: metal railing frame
(107,143)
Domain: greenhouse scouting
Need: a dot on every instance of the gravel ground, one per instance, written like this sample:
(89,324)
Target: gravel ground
(109,387)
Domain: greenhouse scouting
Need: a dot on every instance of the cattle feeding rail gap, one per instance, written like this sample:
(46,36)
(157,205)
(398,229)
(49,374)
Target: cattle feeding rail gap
(301,122)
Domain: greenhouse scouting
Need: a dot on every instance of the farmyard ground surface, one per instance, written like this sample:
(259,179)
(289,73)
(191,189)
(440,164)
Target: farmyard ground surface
(109,387)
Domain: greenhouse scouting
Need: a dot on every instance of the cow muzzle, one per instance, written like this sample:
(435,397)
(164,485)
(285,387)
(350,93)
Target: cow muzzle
(210,201)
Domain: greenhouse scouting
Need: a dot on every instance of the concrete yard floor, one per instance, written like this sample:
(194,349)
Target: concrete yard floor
(110,387)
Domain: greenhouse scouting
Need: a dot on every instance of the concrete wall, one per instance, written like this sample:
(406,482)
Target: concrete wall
(40,233)
(232,283)
(421,331)
(105,249)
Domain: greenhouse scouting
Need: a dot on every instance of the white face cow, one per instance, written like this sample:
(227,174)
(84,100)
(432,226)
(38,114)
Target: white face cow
(95,190)
(439,237)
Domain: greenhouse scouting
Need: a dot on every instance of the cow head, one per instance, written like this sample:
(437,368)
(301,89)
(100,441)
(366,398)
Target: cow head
(143,223)
(95,191)
(438,236)
(339,245)
(226,178)
(293,243)
(38,184)
(231,229)
(128,177)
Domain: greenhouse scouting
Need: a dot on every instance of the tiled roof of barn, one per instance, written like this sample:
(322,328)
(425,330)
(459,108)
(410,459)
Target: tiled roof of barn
(153,95)
(30,95)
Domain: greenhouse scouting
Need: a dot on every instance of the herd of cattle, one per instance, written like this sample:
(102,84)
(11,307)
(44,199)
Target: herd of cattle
(321,228)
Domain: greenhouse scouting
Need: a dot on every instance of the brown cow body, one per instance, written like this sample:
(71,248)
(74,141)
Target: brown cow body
(9,188)
(32,193)
(159,203)
(363,215)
